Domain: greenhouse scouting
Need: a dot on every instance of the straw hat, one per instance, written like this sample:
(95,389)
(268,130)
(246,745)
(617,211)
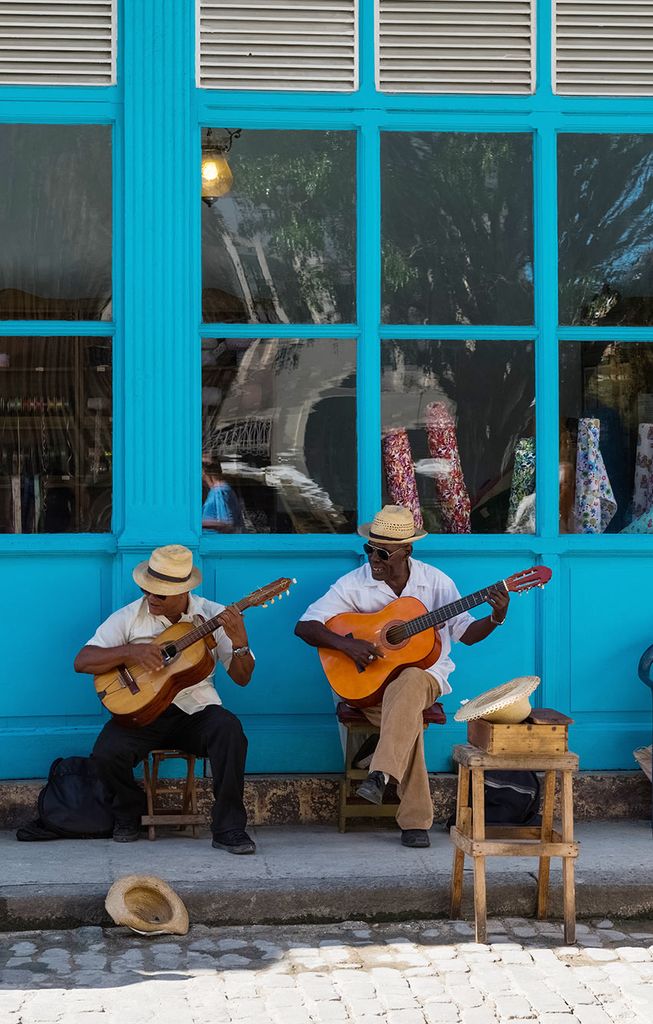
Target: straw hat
(508,703)
(169,570)
(394,524)
(147,905)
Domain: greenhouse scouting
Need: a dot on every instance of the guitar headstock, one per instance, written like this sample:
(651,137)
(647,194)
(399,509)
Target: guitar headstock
(525,580)
(266,595)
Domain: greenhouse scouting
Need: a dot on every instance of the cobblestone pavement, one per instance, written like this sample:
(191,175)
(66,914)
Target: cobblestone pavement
(418,973)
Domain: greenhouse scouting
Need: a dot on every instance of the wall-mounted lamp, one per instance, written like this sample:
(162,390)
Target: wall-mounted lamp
(217,176)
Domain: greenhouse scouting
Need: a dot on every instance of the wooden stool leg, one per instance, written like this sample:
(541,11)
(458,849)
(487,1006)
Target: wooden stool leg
(192,792)
(151,780)
(478,833)
(568,883)
(462,821)
(344,784)
(186,800)
(546,834)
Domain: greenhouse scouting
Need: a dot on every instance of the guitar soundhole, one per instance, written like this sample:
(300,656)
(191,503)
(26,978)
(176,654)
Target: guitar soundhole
(169,652)
(388,629)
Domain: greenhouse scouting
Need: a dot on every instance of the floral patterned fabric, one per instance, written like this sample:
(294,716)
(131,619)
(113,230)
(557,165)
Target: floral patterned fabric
(400,473)
(521,513)
(642,525)
(643,491)
(595,502)
(451,493)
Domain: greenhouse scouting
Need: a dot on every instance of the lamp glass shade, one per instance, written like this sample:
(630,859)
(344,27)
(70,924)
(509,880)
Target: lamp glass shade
(217,177)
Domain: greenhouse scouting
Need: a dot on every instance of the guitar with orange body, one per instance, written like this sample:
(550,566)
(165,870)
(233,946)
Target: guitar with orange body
(406,633)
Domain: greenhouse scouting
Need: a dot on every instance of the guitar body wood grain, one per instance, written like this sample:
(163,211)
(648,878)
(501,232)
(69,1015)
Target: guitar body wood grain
(364,689)
(136,697)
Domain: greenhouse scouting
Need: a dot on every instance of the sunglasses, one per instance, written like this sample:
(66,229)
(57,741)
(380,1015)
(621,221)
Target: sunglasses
(384,555)
(159,597)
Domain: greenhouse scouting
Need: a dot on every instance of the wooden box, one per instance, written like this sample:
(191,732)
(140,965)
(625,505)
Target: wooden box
(543,732)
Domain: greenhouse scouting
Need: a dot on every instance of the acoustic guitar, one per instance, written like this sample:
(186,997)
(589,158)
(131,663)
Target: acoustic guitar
(407,634)
(136,696)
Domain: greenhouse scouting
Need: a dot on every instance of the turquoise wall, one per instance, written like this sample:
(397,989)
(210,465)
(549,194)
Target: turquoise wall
(583,634)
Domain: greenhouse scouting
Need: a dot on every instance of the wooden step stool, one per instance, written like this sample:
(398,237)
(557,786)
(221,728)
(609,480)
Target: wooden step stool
(184,817)
(357,727)
(539,744)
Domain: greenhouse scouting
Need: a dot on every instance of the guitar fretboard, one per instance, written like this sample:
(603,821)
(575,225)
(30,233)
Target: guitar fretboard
(448,611)
(205,628)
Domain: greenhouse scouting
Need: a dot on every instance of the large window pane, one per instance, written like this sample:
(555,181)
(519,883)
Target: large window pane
(458,433)
(605,206)
(279,246)
(55,222)
(606,437)
(55,435)
(457,228)
(279,435)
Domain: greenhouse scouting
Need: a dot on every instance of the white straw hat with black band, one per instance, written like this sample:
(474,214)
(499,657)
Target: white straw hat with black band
(169,570)
(394,524)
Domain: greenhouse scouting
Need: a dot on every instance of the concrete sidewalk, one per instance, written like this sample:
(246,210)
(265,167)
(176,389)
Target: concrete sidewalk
(307,874)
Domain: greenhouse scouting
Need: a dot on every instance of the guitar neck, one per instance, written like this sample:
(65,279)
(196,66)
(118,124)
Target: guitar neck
(206,627)
(449,611)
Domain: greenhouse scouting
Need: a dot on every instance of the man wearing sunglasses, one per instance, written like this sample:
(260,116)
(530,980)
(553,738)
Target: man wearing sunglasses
(195,721)
(391,572)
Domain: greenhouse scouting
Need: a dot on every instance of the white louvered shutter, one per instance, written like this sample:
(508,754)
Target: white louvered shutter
(57,42)
(278,44)
(603,47)
(456,46)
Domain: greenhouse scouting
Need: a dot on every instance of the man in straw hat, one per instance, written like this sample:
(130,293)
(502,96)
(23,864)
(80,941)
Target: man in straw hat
(196,721)
(391,572)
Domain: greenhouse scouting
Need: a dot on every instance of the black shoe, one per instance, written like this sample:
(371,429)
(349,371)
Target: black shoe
(415,838)
(363,758)
(373,788)
(235,840)
(126,832)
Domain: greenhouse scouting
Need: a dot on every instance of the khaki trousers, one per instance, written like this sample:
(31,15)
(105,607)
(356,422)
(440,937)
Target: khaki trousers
(400,750)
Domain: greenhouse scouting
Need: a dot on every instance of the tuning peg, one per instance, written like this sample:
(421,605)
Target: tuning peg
(294,580)
(271,600)
(287,593)
(279,596)
(264,605)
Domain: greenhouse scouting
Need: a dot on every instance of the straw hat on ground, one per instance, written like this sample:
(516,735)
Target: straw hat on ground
(169,570)
(147,905)
(394,524)
(507,704)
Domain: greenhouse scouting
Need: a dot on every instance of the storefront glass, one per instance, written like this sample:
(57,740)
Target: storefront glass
(279,246)
(457,228)
(458,441)
(606,437)
(55,435)
(279,435)
(55,222)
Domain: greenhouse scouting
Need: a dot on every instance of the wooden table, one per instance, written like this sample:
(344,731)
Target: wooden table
(471,836)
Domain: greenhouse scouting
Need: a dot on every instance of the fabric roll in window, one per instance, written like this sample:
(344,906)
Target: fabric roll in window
(451,493)
(400,472)
(643,490)
(521,507)
(595,502)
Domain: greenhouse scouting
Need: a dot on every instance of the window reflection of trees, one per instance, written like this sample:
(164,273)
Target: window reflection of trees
(280,248)
(605,204)
(457,231)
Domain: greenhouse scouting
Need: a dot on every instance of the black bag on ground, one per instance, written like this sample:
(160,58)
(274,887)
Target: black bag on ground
(73,804)
(511,798)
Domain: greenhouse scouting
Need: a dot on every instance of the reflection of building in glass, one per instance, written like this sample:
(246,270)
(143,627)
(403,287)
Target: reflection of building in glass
(280,415)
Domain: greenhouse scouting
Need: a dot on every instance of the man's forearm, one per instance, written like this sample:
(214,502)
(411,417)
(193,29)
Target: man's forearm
(96,660)
(478,631)
(316,634)
(241,669)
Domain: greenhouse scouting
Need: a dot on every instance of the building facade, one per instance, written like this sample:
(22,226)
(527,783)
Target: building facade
(267,264)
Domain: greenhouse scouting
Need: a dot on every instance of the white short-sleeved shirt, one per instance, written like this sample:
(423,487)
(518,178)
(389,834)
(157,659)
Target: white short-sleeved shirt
(134,624)
(358,591)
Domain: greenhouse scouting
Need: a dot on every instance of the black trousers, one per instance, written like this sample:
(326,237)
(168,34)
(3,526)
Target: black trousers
(214,733)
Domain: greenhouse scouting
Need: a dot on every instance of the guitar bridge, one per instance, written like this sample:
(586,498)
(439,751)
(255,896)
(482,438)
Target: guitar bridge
(129,680)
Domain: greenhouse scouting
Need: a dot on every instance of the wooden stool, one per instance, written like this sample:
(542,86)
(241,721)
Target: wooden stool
(357,727)
(471,836)
(187,814)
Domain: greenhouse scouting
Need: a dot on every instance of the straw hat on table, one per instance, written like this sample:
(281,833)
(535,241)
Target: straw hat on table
(508,703)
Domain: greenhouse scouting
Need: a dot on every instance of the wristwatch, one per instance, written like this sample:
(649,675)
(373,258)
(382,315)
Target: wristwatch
(240,652)
(497,622)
